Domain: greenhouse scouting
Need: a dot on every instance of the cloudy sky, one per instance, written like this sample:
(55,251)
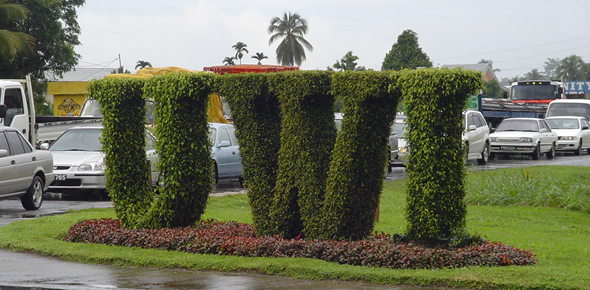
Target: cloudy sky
(517,36)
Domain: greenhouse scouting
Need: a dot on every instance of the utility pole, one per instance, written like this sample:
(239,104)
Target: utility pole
(119,60)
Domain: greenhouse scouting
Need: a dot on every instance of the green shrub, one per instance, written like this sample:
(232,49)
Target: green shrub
(435,99)
(184,148)
(257,121)
(360,154)
(123,142)
(307,139)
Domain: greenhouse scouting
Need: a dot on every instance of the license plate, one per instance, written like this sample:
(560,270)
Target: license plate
(507,148)
(61,177)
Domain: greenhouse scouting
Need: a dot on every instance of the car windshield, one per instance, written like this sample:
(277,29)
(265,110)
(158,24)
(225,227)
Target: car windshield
(563,123)
(518,125)
(77,140)
(533,92)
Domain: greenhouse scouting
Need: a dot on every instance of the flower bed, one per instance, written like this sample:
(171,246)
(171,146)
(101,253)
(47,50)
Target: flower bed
(232,238)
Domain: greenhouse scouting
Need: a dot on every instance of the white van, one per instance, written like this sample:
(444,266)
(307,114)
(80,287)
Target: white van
(569,107)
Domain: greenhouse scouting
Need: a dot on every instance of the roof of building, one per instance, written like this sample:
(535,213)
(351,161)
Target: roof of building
(81,74)
(485,68)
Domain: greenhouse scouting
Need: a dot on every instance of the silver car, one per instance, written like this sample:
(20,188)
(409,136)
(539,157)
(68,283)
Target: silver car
(78,160)
(24,171)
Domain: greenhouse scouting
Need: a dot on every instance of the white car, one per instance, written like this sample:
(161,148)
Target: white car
(573,133)
(476,136)
(24,171)
(78,161)
(524,136)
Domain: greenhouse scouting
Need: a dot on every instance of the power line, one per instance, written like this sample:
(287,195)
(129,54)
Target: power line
(513,49)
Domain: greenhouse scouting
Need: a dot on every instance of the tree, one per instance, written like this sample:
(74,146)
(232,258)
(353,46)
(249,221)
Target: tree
(490,62)
(291,29)
(229,60)
(13,42)
(259,56)
(550,66)
(54,27)
(571,68)
(534,74)
(120,70)
(142,63)
(406,53)
(348,62)
(240,48)
(492,90)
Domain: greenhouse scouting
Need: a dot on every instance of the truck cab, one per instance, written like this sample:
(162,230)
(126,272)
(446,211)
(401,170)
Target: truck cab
(14,97)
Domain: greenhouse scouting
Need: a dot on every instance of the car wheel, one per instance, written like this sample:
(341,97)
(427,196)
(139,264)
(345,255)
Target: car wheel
(215,174)
(551,152)
(578,150)
(33,199)
(485,155)
(537,153)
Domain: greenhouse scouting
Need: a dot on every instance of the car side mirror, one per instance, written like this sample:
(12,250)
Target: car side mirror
(2,111)
(223,144)
(472,127)
(44,146)
(3,153)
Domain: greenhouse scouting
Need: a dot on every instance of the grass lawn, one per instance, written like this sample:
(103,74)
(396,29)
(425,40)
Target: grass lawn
(558,233)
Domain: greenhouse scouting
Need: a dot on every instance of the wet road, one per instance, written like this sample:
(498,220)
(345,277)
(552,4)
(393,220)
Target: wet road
(28,271)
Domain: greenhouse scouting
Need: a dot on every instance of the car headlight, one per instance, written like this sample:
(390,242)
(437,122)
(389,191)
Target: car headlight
(94,166)
(494,139)
(568,138)
(525,140)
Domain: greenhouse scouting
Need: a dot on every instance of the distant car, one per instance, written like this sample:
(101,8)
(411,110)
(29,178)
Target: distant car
(79,163)
(392,144)
(476,136)
(24,171)
(531,136)
(399,126)
(573,133)
(225,151)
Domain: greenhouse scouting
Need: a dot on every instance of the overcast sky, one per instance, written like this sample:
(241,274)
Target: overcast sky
(517,36)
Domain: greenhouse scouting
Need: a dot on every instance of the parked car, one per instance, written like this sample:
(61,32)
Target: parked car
(399,126)
(225,151)
(524,136)
(24,171)
(78,160)
(476,136)
(573,133)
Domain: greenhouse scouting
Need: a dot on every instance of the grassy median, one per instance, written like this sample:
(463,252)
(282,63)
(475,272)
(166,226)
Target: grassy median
(557,232)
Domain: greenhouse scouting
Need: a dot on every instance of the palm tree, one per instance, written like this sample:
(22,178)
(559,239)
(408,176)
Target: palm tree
(240,48)
(13,42)
(571,68)
(291,29)
(229,60)
(259,56)
(142,63)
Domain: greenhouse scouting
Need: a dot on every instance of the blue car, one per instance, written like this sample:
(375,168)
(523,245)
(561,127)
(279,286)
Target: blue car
(225,151)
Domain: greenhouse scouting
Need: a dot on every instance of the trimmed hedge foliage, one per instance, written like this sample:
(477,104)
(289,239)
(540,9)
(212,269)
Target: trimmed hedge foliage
(307,139)
(356,172)
(184,148)
(123,142)
(435,99)
(257,121)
